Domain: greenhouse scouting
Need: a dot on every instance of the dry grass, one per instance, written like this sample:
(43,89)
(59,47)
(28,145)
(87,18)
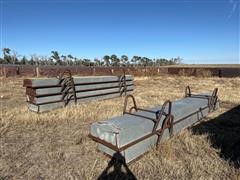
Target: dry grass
(203,73)
(55,145)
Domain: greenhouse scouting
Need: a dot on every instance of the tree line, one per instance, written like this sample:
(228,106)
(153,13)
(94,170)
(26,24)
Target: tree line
(11,57)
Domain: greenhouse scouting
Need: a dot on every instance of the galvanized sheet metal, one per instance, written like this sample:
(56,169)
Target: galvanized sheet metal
(46,94)
(46,99)
(55,105)
(50,82)
(78,88)
(127,128)
(123,130)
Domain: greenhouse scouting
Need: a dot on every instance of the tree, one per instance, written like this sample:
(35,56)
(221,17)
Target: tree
(146,61)
(31,61)
(106,60)
(36,59)
(162,62)
(142,61)
(177,60)
(55,56)
(124,60)
(7,56)
(64,59)
(135,60)
(97,62)
(70,59)
(11,57)
(78,62)
(14,57)
(75,60)
(50,61)
(6,51)
(24,60)
(70,56)
(115,60)
(86,62)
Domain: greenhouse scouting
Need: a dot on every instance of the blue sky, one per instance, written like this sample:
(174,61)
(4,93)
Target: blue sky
(199,31)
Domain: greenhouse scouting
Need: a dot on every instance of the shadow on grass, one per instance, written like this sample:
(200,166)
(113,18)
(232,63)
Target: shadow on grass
(117,162)
(224,134)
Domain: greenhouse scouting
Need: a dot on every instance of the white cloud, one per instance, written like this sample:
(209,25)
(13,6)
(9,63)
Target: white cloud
(234,7)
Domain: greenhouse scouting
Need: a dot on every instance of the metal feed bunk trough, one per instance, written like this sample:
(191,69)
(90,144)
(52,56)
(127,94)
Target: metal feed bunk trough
(50,93)
(134,133)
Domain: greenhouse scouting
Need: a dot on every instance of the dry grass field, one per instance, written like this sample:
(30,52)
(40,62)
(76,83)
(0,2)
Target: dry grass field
(54,145)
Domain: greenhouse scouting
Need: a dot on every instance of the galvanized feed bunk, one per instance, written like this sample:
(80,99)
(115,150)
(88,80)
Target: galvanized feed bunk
(134,133)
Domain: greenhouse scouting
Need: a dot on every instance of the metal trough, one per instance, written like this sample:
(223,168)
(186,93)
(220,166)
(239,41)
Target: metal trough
(51,93)
(134,133)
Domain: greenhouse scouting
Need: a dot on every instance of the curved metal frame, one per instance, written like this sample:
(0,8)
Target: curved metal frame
(212,99)
(167,122)
(68,88)
(162,112)
(188,91)
(126,103)
(123,84)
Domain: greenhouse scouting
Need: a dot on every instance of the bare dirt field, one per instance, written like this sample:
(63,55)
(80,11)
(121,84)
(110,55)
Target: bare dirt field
(54,145)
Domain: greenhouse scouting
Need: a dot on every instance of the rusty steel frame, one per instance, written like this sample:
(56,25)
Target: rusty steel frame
(123,84)
(212,99)
(168,122)
(68,88)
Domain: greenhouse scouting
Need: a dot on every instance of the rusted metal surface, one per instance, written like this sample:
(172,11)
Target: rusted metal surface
(212,99)
(79,88)
(164,115)
(123,84)
(68,87)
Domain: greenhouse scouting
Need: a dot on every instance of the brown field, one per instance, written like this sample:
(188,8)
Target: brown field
(197,70)
(55,145)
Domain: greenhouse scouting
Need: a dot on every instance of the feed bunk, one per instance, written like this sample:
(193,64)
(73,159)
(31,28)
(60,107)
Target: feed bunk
(44,94)
(134,133)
